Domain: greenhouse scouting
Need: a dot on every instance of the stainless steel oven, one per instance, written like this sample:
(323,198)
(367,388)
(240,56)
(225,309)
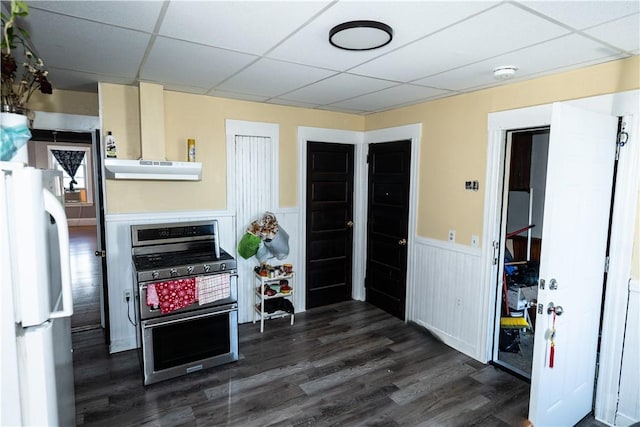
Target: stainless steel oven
(187,299)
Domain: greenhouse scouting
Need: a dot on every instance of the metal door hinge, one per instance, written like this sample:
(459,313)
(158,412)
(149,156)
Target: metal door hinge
(606,264)
(102,253)
(623,135)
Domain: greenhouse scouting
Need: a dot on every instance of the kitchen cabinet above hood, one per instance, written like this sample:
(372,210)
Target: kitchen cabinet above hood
(153,170)
(152,139)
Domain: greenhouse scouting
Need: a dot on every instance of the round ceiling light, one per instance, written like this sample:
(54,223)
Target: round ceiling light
(505,73)
(360,35)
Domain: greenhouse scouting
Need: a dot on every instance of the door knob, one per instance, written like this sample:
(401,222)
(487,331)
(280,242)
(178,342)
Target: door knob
(350,224)
(101,254)
(557,309)
(403,242)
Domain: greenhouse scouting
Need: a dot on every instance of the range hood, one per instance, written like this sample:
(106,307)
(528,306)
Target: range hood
(152,146)
(153,170)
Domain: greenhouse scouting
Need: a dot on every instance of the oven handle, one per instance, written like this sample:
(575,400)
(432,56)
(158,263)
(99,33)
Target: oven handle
(188,318)
(144,284)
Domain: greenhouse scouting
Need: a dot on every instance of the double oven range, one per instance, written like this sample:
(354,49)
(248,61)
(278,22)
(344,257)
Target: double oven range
(186,292)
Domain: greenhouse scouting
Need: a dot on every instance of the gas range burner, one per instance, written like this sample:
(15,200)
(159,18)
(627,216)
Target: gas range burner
(169,265)
(175,250)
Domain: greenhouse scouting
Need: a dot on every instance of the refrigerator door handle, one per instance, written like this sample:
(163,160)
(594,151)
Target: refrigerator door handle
(56,210)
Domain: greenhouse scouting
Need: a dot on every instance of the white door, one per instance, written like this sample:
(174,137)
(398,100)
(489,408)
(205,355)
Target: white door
(574,238)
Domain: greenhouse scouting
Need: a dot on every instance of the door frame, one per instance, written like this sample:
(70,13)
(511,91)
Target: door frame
(361,140)
(88,124)
(624,217)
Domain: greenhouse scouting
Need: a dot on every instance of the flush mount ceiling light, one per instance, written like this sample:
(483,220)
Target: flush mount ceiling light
(505,73)
(360,35)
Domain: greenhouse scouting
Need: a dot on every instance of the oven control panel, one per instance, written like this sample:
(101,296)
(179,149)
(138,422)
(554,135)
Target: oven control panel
(185,271)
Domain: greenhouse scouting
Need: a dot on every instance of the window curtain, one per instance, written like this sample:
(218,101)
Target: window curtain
(70,160)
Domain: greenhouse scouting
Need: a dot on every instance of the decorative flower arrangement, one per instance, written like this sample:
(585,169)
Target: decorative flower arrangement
(19,82)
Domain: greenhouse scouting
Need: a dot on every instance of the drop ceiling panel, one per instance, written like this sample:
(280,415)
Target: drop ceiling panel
(409,20)
(278,51)
(139,15)
(532,61)
(247,26)
(584,14)
(191,64)
(291,103)
(491,33)
(623,33)
(96,54)
(391,97)
(337,88)
(268,77)
(234,95)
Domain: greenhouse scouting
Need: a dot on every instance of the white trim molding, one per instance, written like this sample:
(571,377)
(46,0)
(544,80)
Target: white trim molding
(622,235)
(413,133)
(245,128)
(339,137)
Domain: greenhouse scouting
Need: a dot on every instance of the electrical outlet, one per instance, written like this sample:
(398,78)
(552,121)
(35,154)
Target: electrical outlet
(459,302)
(127,295)
(474,241)
(452,236)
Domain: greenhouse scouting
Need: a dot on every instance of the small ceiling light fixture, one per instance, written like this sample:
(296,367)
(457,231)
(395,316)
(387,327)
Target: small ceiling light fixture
(505,73)
(360,35)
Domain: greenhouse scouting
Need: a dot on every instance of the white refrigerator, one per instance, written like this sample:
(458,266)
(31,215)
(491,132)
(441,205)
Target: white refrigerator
(36,301)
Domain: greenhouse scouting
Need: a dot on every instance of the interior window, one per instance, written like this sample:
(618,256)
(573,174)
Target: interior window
(82,190)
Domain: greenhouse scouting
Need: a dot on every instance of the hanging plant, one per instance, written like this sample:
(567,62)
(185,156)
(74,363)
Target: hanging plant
(19,82)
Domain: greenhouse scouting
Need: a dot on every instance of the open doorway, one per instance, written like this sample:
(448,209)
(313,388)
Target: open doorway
(73,154)
(522,224)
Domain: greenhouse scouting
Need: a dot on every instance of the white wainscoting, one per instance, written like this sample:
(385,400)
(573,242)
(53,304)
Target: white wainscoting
(629,404)
(120,268)
(444,297)
(288,220)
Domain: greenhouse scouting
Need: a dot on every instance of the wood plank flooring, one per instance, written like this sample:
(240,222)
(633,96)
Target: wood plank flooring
(85,278)
(349,364)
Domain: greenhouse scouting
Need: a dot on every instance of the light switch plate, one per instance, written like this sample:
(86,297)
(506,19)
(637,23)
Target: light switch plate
(474,241)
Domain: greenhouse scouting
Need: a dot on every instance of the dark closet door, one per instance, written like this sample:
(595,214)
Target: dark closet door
(387,225)
(329,239)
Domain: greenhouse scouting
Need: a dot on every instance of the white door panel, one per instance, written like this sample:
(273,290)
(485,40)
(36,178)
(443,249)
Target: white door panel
(576,215)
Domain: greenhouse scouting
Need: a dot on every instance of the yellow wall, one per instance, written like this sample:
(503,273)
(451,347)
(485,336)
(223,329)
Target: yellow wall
(65,101)
(454,139)
(202,118)
(453,146)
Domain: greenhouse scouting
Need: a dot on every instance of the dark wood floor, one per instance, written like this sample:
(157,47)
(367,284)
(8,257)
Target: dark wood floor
(85,278)
(347,364)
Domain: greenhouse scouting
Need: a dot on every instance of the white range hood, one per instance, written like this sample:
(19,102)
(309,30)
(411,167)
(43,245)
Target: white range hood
(152,146)
(153,170)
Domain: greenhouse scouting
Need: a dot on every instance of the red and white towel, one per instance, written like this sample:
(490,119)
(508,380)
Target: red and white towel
(152,296)
(214,287)
(175,294)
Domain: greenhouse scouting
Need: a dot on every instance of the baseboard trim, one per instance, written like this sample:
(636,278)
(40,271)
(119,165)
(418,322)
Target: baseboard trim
(77,222)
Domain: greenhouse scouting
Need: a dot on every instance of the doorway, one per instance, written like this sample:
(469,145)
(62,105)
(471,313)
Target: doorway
(329,230)
(387,225)
(524,183)
(577,207)
(86,273)
(77,156)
